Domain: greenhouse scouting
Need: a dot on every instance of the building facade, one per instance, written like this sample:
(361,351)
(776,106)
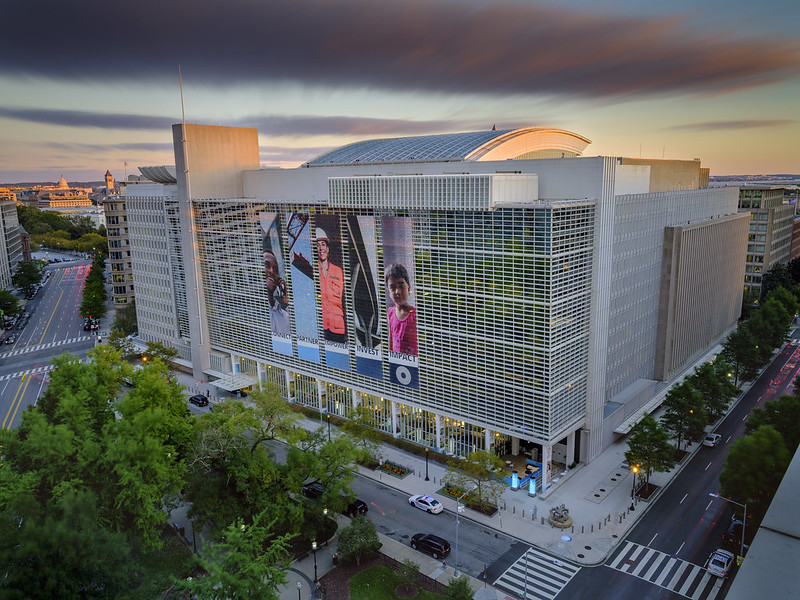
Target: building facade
(10,240)
(119,251)
(770,238)
(467,298)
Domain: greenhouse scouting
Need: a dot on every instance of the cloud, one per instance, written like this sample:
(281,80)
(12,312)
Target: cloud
(734,125)
(78,118)
(437,46)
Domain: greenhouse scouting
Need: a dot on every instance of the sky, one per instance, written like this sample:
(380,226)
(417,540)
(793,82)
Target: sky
(94,85)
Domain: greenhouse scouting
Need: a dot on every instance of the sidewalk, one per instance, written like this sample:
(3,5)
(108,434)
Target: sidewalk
(598,497)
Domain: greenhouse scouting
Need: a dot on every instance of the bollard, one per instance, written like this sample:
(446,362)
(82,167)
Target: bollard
(573,529)
(592,528)
(542,520)
(582,531)
(513,510)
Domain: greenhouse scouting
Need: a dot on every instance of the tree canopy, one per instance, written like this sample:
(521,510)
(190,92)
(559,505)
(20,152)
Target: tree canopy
(649,447)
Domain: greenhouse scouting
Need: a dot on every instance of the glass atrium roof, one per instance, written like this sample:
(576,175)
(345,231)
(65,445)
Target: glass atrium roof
(449,146)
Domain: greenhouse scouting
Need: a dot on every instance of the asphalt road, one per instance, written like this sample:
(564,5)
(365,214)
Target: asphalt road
(55,326)
(668,548)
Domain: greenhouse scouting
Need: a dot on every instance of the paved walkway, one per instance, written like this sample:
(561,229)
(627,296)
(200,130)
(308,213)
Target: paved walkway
(598,497)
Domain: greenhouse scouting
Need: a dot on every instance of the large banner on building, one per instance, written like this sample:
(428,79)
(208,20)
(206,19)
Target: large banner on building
(401,312)
(302,274)
(327,235)
(366,312)
(277,292)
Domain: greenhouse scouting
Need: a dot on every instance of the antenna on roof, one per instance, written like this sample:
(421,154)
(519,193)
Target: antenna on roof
(494,127)
(180,83)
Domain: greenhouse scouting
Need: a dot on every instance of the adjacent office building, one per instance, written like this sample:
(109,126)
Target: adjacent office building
(492,290)
(10,240)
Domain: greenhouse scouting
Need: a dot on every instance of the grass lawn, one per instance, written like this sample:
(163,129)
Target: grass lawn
(379,583)
(158,568)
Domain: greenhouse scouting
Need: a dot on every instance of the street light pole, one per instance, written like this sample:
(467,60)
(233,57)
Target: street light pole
(426,464)
(314,548)
(744,521)
(329,426)
(458,511)
(635,470)
(299,587)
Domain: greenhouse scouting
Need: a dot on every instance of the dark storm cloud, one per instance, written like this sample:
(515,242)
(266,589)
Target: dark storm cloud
(734,125)
(78,118)
(450,46)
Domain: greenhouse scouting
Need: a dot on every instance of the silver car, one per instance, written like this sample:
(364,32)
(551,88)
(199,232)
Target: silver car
(720,562)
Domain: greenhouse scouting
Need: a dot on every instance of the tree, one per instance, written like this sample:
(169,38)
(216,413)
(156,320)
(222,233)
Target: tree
(777,276)
(684,412)
(408,572)
(9,305)
(458,588)
(783,415)
(754,468)
(121,343)
(713,381)
(158,350)
(649,447)
(739,351)
(365,437)
(479,471)
(358,539)
(29,273)
(248,563)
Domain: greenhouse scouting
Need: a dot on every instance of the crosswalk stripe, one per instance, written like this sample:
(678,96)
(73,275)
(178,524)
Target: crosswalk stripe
(541,575)
(670,563)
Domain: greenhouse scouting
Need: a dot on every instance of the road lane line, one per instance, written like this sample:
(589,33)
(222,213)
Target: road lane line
(709,464)
(654,539)
(709,504)
(23,386)
(679,549)
(684,498)
(729,439)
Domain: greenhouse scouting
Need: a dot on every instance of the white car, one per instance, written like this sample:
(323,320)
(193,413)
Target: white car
(712,439)
(719,563)
(426,503)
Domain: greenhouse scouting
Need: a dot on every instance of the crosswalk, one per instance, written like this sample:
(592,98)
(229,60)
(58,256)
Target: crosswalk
(666,571)
(535,575)
(34,348)
(30,372)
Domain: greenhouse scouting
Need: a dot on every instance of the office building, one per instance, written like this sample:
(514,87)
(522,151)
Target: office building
(491,290)
(10,240)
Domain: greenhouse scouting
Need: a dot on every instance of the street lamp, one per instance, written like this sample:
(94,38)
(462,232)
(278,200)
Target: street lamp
(328,415)
(314,548)
(426,464)
(635,469)
(299,587)
(744,520)
(458,511)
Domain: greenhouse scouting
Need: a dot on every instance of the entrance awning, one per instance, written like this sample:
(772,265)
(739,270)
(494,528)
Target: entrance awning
(237,381)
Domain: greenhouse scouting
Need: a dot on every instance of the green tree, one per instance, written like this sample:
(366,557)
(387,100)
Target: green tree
(248,563)
(122,343)
(458,588)
(715,383)
(158,350)
(365,437)
(28,274)
(92,242)
(684,412)
(649,447)
(783,415)
(9,305)
(359,539)
(479,471)
(777,276)
(739,350)
(754,468)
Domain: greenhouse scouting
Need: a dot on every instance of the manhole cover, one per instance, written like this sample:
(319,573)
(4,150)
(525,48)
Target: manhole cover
(619,474)
(602,490)
(580,555)
(587,547)
(566,538)
(597,495)
(613,479)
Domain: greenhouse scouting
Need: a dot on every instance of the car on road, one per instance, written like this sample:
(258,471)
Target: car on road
(313,489)
(712,439)
(732,538)
(356,507)
(720,562)
(11,339)
(427,503)
(199,400)
(431,544)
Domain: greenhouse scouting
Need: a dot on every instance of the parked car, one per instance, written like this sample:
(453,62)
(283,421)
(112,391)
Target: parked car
(199,400)
(720,562)
(732,538)
(430,544)
(356,507)
(313,489)
(427,503)
(712,439)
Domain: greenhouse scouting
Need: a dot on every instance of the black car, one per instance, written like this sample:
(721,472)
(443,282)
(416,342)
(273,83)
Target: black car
(356,507)
(430,544)
(199,400)
(732,537)
(313,489)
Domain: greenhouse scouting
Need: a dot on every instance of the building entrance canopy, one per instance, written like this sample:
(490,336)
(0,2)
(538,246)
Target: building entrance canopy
(237,381)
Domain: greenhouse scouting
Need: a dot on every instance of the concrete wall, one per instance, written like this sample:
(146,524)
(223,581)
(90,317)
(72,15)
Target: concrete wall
(669,175)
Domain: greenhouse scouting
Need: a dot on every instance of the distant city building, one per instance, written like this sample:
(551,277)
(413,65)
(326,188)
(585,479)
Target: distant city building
(63,196)
(119,251)
(10,241)
(491,290)
(770,238)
